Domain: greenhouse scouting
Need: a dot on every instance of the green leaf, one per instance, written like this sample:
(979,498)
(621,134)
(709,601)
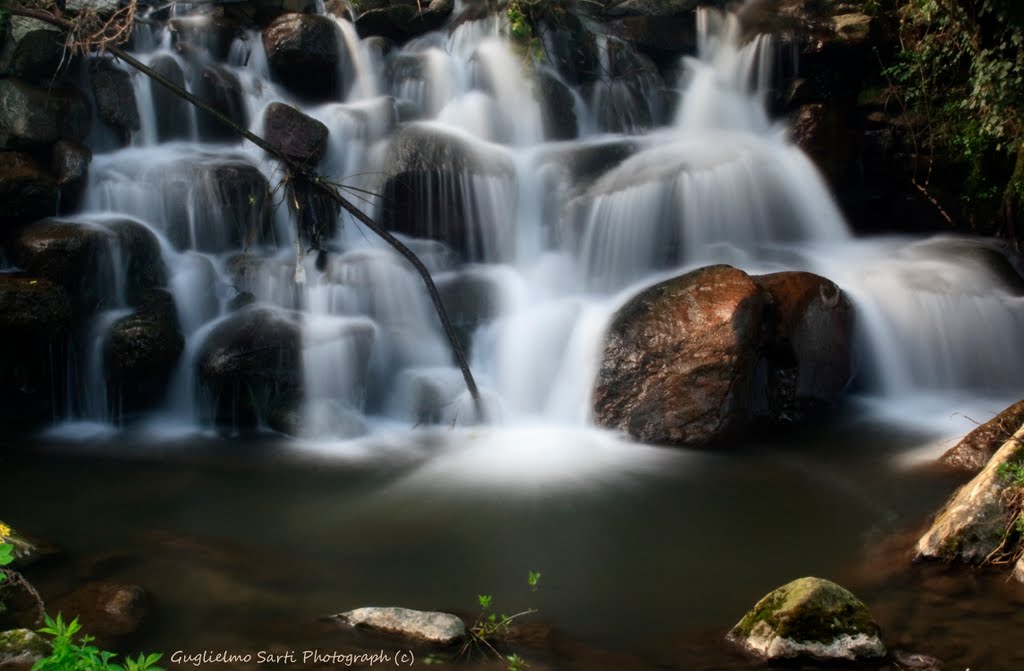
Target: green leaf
(6,554)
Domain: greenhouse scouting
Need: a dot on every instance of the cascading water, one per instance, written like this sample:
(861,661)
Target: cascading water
(547,238)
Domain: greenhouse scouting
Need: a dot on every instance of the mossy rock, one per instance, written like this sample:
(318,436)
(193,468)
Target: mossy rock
(809,618)
(21,646)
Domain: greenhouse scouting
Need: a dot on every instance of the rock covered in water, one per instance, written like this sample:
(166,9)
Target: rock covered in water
(809,618)
(142,351)
(218,87)
(250,366)
(172,112)
(70,166)
(696,359)
(107,610)
(974,523)
(977,447)
(304,54)
(141,259)
(429,626)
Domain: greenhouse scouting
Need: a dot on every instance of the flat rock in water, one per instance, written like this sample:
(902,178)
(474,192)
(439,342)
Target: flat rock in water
(430,626)
(809,618)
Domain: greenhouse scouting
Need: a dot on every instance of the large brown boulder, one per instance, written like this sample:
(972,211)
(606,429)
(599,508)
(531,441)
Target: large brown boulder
(142,351)
(106,610)
(26,190)
(972,453)
(250,368)
(810,348)
(699,358)
(33,116)
(304,54)
(680,357)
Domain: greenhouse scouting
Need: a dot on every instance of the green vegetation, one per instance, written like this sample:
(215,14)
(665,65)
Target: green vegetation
(525,18)
(1011,547)
(6,557)
(70,656)
(490,627)
(959,73)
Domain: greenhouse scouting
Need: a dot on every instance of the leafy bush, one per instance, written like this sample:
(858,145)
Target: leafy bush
(70,656)
(960,75)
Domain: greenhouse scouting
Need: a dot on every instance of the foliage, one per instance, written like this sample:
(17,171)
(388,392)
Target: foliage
(70,656)
(524,18)
(1012,473)
(490,627)
(6,556)
(960,75)
(1011,546)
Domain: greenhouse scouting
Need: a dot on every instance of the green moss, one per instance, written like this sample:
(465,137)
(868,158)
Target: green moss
(18,642)
(809,609)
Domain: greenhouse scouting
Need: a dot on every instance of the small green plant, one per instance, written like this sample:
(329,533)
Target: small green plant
(70,656)
(1012,473)
(490,627)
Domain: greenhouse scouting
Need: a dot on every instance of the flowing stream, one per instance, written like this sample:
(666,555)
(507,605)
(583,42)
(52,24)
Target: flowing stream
(553,237)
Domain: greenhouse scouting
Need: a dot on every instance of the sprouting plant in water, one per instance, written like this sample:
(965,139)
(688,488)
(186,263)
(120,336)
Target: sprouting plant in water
(70,656)
(490,627)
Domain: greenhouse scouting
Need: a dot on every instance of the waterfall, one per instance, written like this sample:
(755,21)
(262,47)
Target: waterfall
(533,242)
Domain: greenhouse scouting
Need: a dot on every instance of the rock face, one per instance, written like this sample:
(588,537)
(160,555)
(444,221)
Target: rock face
(973,524)
(680,357)
(70,167)
(250,367)
(142,352)
(809,618)
(31,116)
(696,359)
(26,190)
(429,626)
(32,51)
(68,254)
(141,261)
(974,451)
(303,52)
(219,88)
(115,98)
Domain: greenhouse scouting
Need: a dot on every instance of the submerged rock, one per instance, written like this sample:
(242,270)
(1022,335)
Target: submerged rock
(106,610)
(974,451)
(809,618)
(975,523)
(429,626)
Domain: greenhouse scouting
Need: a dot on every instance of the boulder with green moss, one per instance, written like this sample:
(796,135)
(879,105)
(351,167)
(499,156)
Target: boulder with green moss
(21,647)
(809,618)
(979,522)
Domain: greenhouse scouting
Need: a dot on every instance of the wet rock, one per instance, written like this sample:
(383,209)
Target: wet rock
(913,661)
(428,171)
(142,352)
(810,351)
(70,167)
(141,260)
(249,366)
(558,111)
(663,38)
(172,112)
(972,526)
(853,28)
(32,50)
(429,626)
(219,88)
(211,34)
(974,451)
(262,12)
(679,359)
(809,618)
(106,610)
(826,134)
(26,190)
(22,647)
(101,7)
(1018,570)
(31,116)
(73,255)
(35,319)
(400,20)
(471,300)
(304,55)
(115,98)
(299,137)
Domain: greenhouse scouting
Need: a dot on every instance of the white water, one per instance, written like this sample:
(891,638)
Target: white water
(560,250)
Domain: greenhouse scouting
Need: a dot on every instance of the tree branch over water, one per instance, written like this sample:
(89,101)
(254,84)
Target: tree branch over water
(102,43)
